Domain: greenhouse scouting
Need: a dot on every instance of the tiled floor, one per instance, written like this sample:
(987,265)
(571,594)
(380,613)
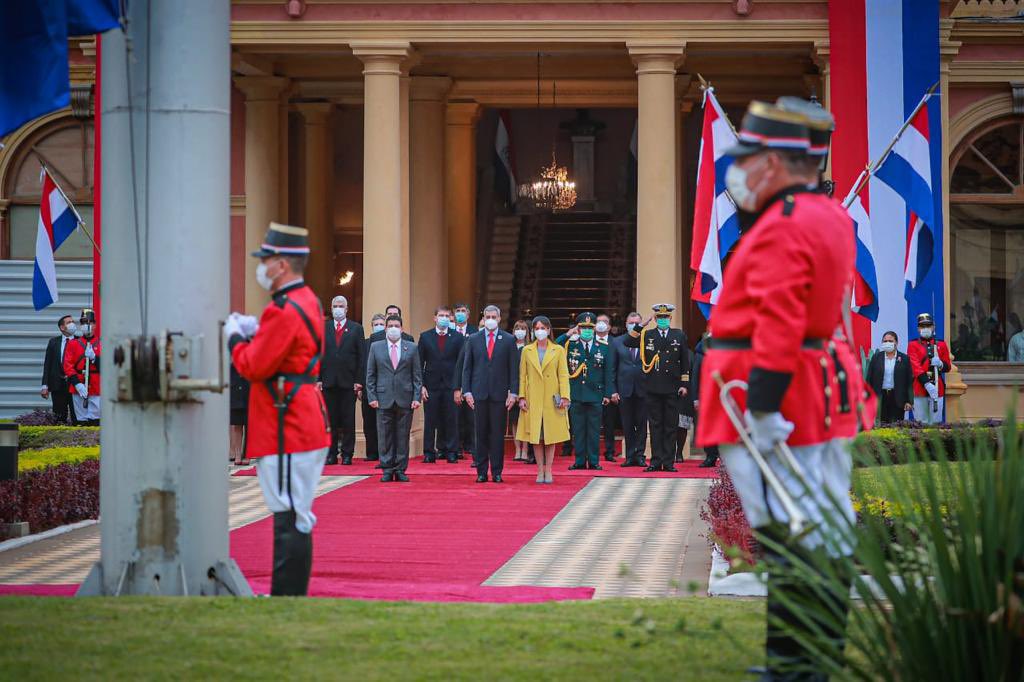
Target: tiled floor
(627,537)
(66,559)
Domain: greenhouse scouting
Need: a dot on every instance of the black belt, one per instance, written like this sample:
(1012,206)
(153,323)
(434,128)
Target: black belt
(715,343)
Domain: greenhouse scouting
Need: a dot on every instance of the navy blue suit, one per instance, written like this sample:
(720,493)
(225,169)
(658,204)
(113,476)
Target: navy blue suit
(632,405)
(440,431)
(490,380)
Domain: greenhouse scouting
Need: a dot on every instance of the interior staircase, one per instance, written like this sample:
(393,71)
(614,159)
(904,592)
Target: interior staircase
(501,265)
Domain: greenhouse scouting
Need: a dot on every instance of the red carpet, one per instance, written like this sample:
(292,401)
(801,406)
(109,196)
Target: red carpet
(39,590)
(431,540)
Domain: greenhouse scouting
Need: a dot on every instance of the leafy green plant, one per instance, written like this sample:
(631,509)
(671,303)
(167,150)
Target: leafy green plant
(30,460)
(41,437)
(940,591)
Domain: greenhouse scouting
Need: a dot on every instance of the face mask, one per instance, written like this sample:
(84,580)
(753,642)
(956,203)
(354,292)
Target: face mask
(491,324)
(339,313)
(663,322)
(888,346)
(262,278)
(602,327)
(736,184)
(925,332)
(460,318)
(379,327)
(520,334)
(394,333)
(540,334)
(574,337)
(586,334)
(442,323)
(86,330)
(70,328)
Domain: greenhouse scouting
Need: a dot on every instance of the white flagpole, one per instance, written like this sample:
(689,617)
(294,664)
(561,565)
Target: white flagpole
(81,223)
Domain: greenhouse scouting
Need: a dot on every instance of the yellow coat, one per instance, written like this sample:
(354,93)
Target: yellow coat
(539,385)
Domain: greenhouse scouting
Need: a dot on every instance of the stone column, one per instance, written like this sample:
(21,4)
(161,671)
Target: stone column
(428,233)
(406,268)
(262,172)
(319,161)
(460,200)
(382,175)
(659,276)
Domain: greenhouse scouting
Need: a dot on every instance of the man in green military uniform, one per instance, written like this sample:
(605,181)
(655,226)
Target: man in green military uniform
(591,385)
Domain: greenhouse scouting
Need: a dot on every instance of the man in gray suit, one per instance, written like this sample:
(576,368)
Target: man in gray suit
(632,408)
(394,382)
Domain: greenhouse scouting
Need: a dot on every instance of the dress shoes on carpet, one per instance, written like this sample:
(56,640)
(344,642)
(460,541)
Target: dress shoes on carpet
(452,459)
(387,478)
(609,458)
(708,462)
(496,478)
(331,460)
(346,461)
(531,460)
(651,469)
(481,479)
(372,458)
(670,469)
(429,459)
(576,467)
(401,477)
(596,467)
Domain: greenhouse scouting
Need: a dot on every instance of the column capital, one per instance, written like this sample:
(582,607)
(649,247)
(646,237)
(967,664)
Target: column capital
(382,57)
(430,88)
(821,54)
(314,113)
(261,87)
(656,56)
(462,113)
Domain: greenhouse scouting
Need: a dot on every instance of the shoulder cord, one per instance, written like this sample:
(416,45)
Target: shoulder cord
(644,365)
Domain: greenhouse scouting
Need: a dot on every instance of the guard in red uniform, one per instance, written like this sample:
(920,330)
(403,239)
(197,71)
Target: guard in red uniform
(929,361)
(288,427)
(82,369)
(778,327)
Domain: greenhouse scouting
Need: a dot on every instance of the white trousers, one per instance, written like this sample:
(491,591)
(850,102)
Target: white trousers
(925,413)
(86,408)
(305,471)
(826,500)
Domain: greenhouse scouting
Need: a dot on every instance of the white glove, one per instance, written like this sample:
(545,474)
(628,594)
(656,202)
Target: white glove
(250,325)
(90,352)
(937,362)
(933,390)
(767,429)
(232,326)
(80,388)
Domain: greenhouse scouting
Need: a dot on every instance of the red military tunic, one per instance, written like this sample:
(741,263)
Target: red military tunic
(921,365)
(284,345)
(74,364)
(785,284)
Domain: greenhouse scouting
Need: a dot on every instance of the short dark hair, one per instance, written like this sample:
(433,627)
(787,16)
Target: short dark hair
(61,319)
(894,335)
(460,305)
(392,305)
(541,319)
(393,318)
(297,263)
(442,309)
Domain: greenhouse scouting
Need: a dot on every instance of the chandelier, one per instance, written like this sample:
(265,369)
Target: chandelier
(551,189)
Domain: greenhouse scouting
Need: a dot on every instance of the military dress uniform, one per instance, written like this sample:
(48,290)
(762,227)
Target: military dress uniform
(591,385)
(665,361)
(929,362)
(784,297)
(82,371)
(288,427)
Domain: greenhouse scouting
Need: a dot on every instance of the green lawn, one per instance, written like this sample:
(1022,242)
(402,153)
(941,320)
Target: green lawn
(301,639)
(875,481)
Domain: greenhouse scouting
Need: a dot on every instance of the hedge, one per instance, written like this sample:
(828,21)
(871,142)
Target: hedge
(890,445)
(52,496)
(30,460)
(43,437)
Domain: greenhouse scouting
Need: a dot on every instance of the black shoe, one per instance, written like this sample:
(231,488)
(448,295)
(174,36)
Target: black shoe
(481,478)
(679,459)
(429,459)
(628,463)
(496,478)
(452,459)
(596,467)
(387,477)
(652,469)
(331,460)
(609,458)
(532,460)
(708,462)
(401,477)
(347,461)
(372,458)
(575,467)
(671,469)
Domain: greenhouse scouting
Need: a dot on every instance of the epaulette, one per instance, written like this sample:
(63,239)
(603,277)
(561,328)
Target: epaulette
(280,299)
(787,205)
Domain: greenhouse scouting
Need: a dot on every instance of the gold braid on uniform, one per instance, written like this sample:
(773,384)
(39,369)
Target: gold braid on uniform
(579,370)
(646,366)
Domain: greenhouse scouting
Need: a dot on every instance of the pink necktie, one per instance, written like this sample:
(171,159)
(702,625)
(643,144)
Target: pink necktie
(394,356)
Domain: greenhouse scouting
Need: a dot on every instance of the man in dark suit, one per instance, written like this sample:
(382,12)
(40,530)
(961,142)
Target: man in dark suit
(439,350)
(490,385)
(53,384)
(463,415)
(394,382)
(664,360)
(892,379)
(370,414)
(341,372)
(632,401)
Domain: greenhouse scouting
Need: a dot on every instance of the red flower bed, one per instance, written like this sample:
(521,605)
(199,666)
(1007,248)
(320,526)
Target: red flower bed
(724,515)
(53,496)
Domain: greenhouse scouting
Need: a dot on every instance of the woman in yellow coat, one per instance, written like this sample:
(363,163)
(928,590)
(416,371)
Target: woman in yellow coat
(544,397)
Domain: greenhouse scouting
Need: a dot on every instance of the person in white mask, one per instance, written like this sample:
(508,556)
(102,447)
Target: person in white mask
(82,369)
(523,449)
(341,378)
(544,399)
(929,362)
(440,348)
(889,375)
(394,386)
(610,412)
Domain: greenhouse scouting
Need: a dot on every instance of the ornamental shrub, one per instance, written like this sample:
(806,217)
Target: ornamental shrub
(37,417)
(52,496)
(30,460)
(42,437)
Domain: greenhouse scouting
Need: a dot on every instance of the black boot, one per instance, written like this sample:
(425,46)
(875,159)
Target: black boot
(293,557)
(710,457)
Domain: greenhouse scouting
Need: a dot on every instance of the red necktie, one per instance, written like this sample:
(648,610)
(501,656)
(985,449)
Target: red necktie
(490,345)
(339,331)
(441,338)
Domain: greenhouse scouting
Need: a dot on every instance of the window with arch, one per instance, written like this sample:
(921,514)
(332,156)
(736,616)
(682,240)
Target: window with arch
(66,147)
(986,210)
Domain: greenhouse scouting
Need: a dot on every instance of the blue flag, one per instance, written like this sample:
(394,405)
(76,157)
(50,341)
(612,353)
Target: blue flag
(34,53)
